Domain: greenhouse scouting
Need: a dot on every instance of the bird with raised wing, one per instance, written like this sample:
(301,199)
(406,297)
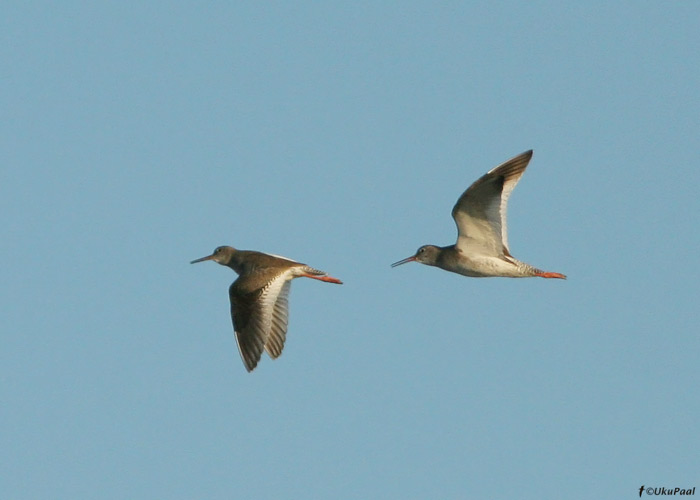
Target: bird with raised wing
(482,240)
(260,298)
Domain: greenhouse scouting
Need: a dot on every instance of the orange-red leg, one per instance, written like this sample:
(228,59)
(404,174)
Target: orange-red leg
(551,275)
(327,279)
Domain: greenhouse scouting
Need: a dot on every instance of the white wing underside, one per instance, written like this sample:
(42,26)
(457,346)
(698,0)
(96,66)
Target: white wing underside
(278,322)
(264,321)
(480,213)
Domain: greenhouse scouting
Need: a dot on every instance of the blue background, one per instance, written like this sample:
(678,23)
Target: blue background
(138,136)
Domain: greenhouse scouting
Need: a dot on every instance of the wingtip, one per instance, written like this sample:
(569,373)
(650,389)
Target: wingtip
(525,155)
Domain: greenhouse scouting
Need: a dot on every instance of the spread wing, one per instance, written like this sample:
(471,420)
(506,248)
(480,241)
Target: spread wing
(280,317)
(480,213)
(259,317)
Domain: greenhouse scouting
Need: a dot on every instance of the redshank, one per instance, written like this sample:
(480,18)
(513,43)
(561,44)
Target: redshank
(259,298)
(482,240)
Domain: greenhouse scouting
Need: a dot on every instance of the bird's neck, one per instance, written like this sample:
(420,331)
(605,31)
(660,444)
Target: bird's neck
(235,262)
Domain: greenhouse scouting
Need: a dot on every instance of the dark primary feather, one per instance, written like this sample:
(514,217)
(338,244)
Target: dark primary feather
(248,324)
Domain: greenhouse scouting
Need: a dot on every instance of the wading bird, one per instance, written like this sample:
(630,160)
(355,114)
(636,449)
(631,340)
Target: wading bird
(259,298)
(482,241)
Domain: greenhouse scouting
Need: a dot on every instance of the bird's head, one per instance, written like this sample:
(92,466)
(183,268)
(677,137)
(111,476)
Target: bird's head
(427,254)
(221,255)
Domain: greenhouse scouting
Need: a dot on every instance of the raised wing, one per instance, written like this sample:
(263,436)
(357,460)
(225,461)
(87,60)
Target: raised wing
(480,213)
(257,320)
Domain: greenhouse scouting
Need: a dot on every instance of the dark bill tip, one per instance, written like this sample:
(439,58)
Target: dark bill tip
(208,257)
(404,261)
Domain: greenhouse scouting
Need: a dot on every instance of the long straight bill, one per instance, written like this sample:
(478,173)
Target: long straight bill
(407,259)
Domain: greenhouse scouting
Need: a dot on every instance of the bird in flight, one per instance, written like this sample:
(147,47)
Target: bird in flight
(260,298)
(482,236)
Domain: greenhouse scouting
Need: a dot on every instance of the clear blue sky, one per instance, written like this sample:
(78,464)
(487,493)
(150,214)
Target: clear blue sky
(137,136)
